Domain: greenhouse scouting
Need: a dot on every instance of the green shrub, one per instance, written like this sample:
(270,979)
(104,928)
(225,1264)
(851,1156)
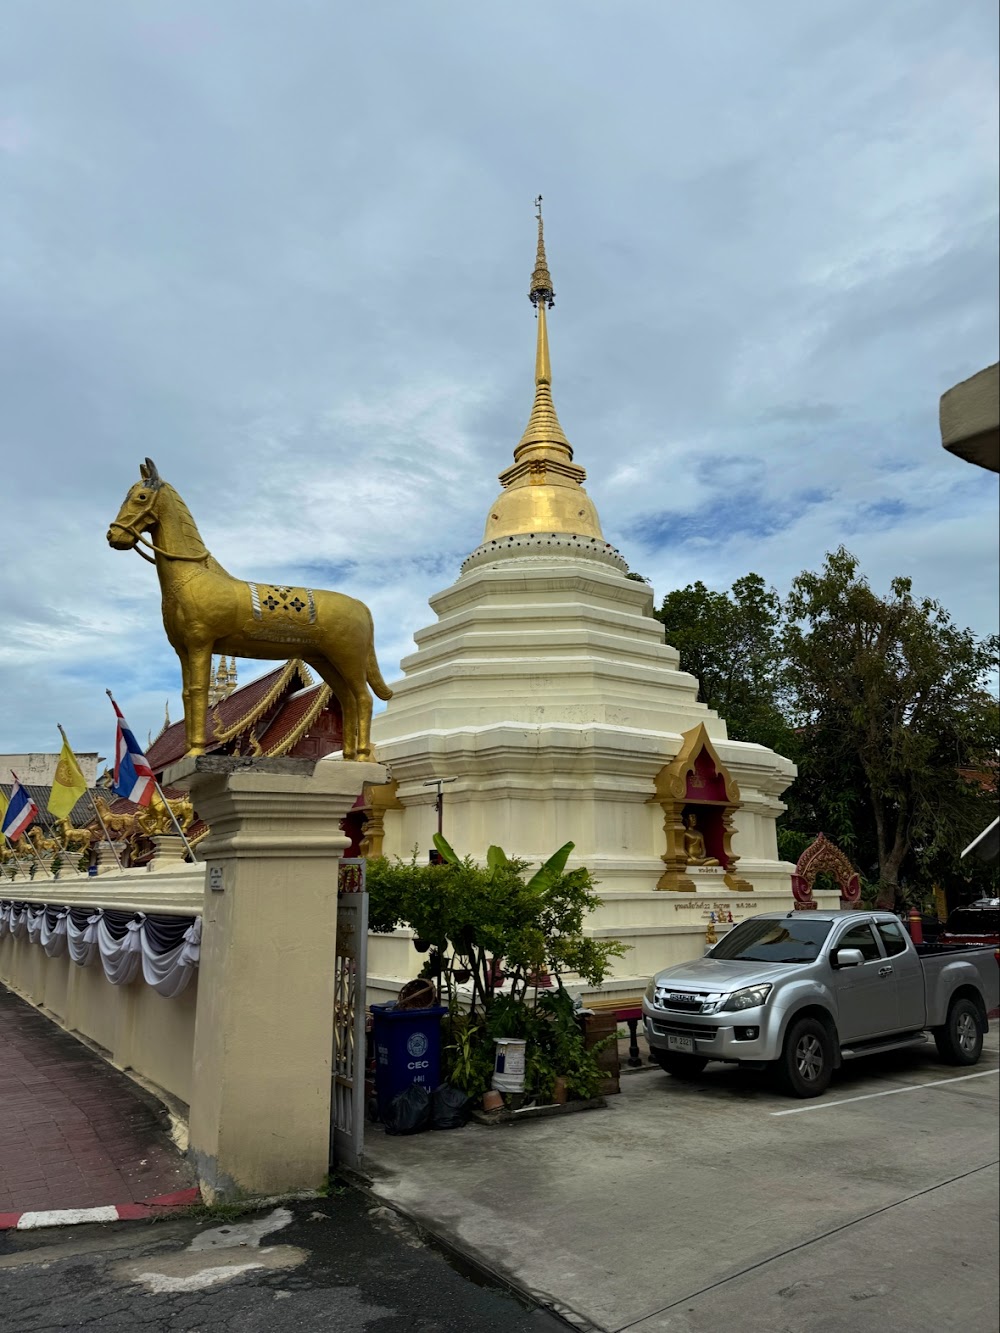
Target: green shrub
(483,924)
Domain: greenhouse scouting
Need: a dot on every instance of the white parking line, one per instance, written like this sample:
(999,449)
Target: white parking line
(915,1087)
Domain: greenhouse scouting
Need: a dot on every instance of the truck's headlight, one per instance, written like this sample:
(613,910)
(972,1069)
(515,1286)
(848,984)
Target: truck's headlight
(747,998)
(651,990)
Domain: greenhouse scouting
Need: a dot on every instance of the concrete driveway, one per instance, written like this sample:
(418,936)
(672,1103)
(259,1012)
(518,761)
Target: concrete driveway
(720,1205)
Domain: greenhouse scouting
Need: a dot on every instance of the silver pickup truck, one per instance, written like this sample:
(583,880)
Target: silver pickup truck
(803,991)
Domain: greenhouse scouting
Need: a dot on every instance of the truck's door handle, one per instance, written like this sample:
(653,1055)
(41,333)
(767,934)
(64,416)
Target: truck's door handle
(885,971)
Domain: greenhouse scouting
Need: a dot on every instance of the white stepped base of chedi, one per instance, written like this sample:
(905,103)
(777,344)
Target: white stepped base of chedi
(546,691)
(547,696)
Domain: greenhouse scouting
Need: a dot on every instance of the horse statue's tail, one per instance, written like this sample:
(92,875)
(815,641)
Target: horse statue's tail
(378,685)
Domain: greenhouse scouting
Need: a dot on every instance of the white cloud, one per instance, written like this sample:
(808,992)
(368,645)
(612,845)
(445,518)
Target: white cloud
(284,251)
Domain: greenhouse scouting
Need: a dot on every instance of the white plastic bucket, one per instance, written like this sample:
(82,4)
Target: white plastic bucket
(508,1065)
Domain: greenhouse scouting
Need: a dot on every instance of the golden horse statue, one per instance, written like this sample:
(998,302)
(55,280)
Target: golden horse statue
(154,820)
(206,611)
(40,842)
(74,839)
(118,826)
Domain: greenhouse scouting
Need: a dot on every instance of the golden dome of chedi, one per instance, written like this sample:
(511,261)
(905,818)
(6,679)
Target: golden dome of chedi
(543,490)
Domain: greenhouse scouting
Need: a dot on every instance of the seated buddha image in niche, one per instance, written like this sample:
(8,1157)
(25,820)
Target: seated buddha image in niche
(695,851)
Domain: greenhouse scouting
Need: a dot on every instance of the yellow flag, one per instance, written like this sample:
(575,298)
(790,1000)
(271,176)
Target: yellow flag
(68,785)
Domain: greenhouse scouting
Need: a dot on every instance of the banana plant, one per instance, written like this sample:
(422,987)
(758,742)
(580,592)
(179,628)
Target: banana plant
(497,859)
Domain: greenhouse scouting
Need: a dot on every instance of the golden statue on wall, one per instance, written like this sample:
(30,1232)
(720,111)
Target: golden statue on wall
(695,851)
(155,819)
(73,839)
(207,611)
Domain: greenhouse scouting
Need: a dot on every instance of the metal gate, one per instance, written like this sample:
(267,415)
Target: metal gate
(347,1119)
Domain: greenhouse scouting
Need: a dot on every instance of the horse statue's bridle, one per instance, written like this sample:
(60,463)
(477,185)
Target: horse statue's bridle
(138,536)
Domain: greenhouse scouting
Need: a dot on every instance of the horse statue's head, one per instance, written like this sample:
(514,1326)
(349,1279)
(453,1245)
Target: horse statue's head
(138,513)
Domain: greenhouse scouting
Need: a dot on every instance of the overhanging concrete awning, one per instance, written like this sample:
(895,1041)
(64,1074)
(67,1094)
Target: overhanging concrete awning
(970,419)
(987,846)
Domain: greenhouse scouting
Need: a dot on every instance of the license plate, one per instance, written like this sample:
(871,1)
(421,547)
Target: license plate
(685,1044)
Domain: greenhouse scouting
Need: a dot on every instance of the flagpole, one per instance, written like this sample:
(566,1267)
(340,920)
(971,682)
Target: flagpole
(35,852)
(107,835)
(38,823)
(13,847)
(93,806)
(159,791)
(17,859)
(175,820)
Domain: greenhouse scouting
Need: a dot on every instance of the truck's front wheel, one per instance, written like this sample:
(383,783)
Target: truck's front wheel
(806,1063)
(960,1041)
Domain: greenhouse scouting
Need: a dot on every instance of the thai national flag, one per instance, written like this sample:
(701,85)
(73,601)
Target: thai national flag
(21,812)
(133,776)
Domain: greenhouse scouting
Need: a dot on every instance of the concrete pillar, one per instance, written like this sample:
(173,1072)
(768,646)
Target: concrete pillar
(168,852)
(260,1100)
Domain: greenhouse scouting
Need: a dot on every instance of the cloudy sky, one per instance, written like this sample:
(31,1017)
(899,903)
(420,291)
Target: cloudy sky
(283,248)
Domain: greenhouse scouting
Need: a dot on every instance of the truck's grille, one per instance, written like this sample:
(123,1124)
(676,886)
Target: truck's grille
(703,1033)
(684,1002)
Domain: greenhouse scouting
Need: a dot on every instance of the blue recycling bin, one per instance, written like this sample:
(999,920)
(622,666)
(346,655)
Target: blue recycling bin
(407,1045)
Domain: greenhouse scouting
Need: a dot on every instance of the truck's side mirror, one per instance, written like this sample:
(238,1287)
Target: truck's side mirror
(848,958)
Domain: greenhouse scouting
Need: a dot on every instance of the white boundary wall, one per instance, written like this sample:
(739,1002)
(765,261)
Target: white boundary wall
(135,1028)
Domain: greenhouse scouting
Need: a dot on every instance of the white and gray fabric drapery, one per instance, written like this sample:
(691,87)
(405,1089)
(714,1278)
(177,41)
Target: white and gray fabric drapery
(165,948)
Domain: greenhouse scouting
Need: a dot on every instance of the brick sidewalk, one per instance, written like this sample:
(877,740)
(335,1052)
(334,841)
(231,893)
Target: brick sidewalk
(74,1132)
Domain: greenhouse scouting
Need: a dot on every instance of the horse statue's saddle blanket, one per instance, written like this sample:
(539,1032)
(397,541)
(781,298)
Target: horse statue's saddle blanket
(278,605)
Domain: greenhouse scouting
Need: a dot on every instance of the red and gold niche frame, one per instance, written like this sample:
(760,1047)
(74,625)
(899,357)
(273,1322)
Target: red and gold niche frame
(697,782)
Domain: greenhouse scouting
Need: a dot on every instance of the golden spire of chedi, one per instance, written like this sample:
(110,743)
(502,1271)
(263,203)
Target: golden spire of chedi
(542,489)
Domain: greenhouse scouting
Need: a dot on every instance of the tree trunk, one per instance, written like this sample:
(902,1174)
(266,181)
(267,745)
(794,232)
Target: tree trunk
(890,857)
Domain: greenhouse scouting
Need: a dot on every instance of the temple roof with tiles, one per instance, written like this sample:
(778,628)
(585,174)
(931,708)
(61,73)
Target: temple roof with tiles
(283,712)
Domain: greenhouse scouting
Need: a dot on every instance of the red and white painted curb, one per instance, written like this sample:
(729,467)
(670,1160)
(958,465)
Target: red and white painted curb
(114,1212)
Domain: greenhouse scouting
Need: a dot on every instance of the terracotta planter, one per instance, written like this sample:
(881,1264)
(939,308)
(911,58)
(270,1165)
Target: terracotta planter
(559,1094)
(492,1101)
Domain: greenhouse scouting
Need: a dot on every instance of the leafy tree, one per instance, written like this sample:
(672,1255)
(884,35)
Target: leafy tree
(889,688)
(880,701)
(731,641)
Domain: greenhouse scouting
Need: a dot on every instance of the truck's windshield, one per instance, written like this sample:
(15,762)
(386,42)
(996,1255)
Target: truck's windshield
(796,939)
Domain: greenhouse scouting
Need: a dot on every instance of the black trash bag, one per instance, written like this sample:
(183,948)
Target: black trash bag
(449,1107)
(409,1111)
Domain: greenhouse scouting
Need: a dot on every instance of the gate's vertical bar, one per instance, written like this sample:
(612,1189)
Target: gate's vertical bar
(347,1102)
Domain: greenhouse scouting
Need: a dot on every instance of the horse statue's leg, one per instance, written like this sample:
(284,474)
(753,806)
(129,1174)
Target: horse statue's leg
(345,697)
(364,723)
(199,671)
(182,657)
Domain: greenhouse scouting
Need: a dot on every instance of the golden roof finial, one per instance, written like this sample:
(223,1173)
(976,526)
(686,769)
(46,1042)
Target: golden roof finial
(543,431)
(543,489)
(541,280)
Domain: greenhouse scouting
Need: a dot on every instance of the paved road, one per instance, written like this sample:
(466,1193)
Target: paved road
(710,1207)
(76,1132)
(336,1264)
(720,1205)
